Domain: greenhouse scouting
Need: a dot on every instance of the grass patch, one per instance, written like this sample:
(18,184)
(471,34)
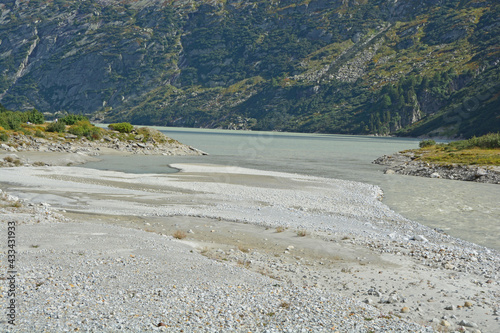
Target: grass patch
(301,233)
(285,305)
(243,249)
(179,234)
(280,229)
(244,263)
(484,150)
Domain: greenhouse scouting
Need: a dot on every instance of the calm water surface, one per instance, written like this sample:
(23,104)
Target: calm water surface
(463,209)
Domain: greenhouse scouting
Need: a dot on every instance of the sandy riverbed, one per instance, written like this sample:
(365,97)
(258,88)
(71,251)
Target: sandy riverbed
(356,253)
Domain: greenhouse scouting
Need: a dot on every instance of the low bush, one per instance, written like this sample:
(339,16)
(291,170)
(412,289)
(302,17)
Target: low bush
(72,119)
(86,129)
(35,117)
(121,127)
(11,120)
(427,143)
(59,126)
(301,233)
(179,234)
(488,141)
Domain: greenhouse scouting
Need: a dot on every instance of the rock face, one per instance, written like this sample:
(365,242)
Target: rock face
(404,164)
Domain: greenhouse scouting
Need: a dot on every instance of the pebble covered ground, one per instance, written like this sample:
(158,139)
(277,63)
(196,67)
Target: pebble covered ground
(402,272)
(89,277)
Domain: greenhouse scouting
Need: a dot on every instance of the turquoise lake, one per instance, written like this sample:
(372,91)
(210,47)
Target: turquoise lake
(466,210)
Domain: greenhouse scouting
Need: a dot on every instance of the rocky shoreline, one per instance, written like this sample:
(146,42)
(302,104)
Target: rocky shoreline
(405,163)
(70,143)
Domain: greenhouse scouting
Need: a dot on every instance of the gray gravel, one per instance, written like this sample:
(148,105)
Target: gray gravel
(94,277)
(103,278)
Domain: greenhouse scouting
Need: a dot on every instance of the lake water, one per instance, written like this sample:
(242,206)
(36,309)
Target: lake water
(467,210)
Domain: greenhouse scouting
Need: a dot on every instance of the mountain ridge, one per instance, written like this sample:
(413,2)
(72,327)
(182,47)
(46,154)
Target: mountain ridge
(418,68)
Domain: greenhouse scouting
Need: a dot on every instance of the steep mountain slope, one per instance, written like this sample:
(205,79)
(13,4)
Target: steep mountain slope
(403,67)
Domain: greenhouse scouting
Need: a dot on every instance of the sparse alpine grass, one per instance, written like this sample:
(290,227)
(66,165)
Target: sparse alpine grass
(483,150)
(301,233)
(179,234)
(280,229)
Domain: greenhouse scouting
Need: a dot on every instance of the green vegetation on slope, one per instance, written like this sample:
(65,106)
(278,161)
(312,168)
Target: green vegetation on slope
(483,150)
(372,67)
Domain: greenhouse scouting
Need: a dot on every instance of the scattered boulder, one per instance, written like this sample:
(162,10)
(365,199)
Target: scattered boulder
(466,323)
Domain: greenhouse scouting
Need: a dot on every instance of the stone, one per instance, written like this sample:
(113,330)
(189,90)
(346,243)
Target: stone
(420,238)
(405,309)
(374,292)
(468,304)
(445,323)
(389,172)
(481,172)
(368,301)
(450,307)
(393,299)
(466,323)
(448,266)
(435,175)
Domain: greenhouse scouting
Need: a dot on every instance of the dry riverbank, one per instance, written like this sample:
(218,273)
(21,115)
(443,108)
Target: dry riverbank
(263,251)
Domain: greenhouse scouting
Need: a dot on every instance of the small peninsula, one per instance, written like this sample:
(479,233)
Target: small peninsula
(76,135)
(476,159)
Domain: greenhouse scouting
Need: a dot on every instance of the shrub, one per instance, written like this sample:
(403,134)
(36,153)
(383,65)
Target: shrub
(39,134)
(152,134)
(427,143)
(11,120)
(72,119)
(35,117)
(301,233)
(243,249)
(121,127)
(85,128)
(488,141)
(59,126)
(280,229)
(25,131)
(179,234)
(4,136)
(285,305)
